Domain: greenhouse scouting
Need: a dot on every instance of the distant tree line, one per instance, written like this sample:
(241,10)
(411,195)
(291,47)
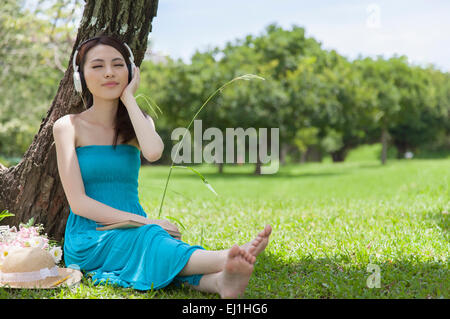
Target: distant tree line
(322,103)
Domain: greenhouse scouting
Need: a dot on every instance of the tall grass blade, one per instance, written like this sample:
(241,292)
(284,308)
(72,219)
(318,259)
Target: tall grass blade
(245,77)
(201,176)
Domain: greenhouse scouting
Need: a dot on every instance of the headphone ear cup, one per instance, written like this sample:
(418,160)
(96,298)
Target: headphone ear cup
(130,72)
(77,82)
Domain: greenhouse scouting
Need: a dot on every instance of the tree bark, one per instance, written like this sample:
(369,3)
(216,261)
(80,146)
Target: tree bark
(32,188)
(384,143)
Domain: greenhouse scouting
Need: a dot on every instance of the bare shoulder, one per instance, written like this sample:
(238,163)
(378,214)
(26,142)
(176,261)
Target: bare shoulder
(65,121)
(69,123)
(64,129)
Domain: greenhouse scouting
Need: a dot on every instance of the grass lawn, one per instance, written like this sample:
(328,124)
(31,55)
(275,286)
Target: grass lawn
(330,222)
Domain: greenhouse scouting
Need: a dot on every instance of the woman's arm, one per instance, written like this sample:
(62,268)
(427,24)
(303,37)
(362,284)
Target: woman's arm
(151,144)
(72,182)
(104,214)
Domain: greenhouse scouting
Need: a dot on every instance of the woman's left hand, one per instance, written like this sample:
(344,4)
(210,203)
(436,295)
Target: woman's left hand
(132,87)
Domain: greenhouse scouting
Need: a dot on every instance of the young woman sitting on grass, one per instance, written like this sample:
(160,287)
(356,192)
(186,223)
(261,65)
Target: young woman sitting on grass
(100,181)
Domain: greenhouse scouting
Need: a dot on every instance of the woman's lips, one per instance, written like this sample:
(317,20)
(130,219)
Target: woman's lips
(111,84)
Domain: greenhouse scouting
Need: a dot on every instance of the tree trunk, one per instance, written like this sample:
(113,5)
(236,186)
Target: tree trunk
(339,155)
(304,157)
(384,144)
(258,164)
(32,188)
(220,165)
(401,147)
(283,153)
(313,154)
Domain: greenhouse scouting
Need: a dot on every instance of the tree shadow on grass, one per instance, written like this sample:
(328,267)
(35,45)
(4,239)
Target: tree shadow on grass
(308,277)
(217,175)
(371,166)
(87,289)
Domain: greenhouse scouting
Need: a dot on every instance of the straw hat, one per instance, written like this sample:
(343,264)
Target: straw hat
(35,268)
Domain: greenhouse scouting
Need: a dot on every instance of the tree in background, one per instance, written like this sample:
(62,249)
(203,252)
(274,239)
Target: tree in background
(322,103)
(32,188)
(34,50)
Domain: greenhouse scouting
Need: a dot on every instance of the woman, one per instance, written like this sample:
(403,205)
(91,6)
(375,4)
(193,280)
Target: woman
(100,183)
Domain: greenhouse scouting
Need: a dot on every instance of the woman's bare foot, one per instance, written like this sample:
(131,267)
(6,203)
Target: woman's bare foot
(236,273)
(257,245)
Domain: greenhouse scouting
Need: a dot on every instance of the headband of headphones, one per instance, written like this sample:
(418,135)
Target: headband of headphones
(76,72)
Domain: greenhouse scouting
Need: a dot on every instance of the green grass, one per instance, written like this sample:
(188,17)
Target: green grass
(330,221)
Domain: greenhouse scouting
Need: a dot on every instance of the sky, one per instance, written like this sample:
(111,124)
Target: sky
(418,29)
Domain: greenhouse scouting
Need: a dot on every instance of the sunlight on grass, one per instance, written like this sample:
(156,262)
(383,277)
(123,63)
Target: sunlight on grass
(330,221)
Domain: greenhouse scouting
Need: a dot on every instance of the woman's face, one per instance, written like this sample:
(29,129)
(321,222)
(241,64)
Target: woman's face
(105,72)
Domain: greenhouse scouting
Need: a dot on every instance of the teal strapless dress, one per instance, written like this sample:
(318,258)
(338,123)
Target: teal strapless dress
(143,258)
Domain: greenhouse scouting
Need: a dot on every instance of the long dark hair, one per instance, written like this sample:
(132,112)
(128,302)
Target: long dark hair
(123,123)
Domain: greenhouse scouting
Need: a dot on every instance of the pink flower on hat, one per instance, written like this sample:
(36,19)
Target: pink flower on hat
(26,237)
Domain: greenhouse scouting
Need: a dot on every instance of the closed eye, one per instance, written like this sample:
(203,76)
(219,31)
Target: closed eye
(99,66)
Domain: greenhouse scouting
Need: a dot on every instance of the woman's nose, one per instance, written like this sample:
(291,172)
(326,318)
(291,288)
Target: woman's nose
(108,71)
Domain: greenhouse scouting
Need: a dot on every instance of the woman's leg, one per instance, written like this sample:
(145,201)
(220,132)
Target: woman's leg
(226,272)
(204,262)
(233,279)
(212,261)
(208,283)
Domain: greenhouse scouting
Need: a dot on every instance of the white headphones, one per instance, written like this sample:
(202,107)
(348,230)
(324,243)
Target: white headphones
(78,76)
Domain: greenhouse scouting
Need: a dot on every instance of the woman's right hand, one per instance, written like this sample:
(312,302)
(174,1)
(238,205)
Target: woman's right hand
(166,225)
